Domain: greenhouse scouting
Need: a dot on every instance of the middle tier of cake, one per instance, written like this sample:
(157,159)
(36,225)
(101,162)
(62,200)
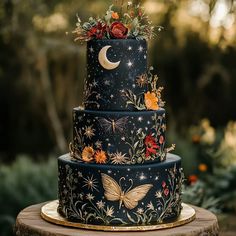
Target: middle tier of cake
(120,137)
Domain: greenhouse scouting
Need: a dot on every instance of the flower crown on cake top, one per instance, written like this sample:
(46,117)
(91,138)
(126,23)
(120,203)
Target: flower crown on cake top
(122,20)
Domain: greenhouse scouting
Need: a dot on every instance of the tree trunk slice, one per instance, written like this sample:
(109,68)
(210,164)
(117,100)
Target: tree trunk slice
(30,223)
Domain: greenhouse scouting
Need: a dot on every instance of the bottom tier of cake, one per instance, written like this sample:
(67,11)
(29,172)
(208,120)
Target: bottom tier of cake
(120,195)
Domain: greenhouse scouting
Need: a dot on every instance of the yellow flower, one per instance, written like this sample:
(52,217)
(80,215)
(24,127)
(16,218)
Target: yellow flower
(202,167)
(100,157)
(87,154)
(115,15)
(151,101)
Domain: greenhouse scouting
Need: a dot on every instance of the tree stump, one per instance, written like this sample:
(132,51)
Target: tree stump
(30,223)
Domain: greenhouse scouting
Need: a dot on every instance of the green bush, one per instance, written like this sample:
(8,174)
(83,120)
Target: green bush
(22,184)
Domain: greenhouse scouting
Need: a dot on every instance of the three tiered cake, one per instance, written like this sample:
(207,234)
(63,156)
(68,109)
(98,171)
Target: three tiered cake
(118,171)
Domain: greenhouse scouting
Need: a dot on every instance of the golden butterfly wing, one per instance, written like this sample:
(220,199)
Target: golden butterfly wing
(112,189)
(132,197)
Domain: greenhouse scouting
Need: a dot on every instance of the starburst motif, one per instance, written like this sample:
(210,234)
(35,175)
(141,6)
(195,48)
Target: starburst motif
(107,82)
(89,131)
(118,158)
(142,80)
(90,183)
(142,176)
(91,49)
(80,174)
(80,118)
(129,64)
(140,49)
(140,118)
(94,83)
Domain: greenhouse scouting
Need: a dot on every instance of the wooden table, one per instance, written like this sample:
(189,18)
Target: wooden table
(30,223)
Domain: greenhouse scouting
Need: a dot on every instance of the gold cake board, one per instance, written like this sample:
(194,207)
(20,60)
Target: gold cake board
(50,214)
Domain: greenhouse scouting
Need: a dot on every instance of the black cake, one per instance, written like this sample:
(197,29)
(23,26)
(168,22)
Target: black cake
(118,171)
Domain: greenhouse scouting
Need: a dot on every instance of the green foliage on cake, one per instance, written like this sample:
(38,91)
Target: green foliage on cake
(123,19)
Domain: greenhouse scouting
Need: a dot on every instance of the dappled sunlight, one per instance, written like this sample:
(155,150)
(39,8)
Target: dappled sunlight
(227,149)
(53,23)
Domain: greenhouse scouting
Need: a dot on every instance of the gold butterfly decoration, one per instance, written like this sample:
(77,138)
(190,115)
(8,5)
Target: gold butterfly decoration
(130,198)
(111,125)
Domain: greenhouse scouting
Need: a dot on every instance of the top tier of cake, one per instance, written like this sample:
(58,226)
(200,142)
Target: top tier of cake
(116,71)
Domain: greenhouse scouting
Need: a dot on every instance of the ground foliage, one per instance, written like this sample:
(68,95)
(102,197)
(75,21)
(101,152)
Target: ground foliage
(22,184)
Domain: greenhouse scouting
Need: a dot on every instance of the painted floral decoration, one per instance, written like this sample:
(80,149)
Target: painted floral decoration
(87,154)
(151,145)
(151,100)
(122,20)
(100,157)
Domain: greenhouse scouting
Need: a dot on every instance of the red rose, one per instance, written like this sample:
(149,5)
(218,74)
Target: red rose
(97,31)
(166,191)
(118,30)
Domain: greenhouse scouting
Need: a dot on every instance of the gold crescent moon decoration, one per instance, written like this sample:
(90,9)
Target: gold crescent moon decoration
(103,60)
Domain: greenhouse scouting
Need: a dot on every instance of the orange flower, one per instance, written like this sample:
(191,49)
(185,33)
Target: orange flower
(202,167)
(196,138)
(100,157)
(87,154)
(192,179)
(115,15)
(151,101)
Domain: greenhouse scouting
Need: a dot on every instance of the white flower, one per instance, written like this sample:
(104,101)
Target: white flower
(158,194)
(98,144)
(150,206)
(140,211)
(110,211)
(89,196)
(100,204)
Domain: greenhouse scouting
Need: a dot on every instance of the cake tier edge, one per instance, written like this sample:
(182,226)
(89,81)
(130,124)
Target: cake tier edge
(120,195)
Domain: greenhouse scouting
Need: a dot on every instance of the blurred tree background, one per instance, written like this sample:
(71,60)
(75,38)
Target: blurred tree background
(41,80)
